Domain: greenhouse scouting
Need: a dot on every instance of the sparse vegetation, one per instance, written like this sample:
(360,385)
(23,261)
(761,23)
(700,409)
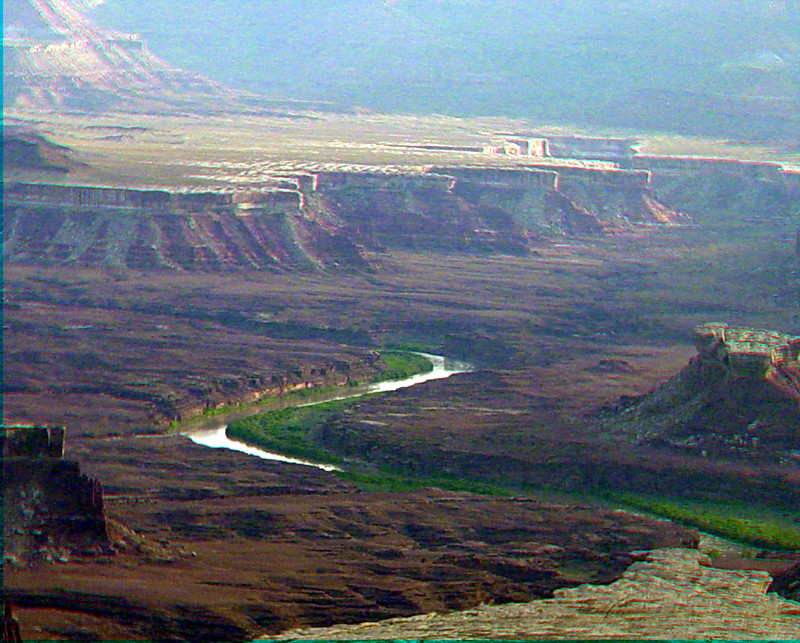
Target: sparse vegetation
(121,317)
(388,480)
(749,524)
(288,431)
(402,364)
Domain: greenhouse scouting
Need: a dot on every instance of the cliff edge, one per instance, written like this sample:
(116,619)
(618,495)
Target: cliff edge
(739,398)
(51,511)
(668,594)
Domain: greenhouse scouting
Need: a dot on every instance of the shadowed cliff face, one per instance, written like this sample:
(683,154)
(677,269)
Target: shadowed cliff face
(30,151)
(50,510)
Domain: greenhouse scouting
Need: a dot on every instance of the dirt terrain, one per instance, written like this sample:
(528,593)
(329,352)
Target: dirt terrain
(169,259)
(255,546)
(215,545)
(339,554)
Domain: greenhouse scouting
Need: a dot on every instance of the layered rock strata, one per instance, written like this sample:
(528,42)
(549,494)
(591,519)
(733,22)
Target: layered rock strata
(750,353)
(54,56)
(739,398)
(325,219)
(670,594)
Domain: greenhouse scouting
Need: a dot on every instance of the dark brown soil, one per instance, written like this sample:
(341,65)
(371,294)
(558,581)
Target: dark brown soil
(263,546)
(118,355)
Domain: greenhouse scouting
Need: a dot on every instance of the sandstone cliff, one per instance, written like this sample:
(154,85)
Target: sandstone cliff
(324,219)
(50,510)
(739,398)
(54,56)
(669,594)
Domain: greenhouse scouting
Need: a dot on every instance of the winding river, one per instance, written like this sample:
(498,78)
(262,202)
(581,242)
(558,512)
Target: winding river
(217,438)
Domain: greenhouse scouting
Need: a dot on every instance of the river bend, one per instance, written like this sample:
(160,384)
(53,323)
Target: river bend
(217,438)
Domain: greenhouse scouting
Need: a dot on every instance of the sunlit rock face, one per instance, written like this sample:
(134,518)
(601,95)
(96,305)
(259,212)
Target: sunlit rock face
(759,354)
(739,399)
(670,594)
(54,56)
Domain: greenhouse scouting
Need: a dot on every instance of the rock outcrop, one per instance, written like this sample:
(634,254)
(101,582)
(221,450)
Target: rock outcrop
(566,197)
(669,594)
(157,229)
(54,56)
(739,398)
(755,354)
(787,583)
(324,219)
(24,150)
(51,511)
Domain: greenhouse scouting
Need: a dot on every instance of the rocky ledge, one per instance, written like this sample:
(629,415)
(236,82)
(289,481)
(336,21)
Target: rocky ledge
(669,594)
(750,353)
(739,398)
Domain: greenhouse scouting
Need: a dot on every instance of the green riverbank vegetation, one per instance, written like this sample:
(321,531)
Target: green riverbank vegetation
(400,365)
(291,432)
(755,525)
(397,364)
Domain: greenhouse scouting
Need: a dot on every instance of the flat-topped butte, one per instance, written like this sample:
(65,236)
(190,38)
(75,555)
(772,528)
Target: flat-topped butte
(753,353)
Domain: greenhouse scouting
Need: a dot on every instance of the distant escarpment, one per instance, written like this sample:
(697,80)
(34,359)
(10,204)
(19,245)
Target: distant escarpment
(55,57)
(214,240)
(738,399)
(337,216)
(574,199)
(327,219)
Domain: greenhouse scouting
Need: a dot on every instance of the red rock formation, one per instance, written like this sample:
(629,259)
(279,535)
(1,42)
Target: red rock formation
(51,511)
(753,353)
(738,399)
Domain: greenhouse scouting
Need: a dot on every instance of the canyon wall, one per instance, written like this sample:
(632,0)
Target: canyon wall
(51,511)
(711,167)
(212,395)
(335,218)
(157,229)
(737,400)
(54,56)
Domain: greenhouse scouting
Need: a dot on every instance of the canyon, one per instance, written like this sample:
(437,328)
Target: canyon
(179,255)
(322,219)
(572,285)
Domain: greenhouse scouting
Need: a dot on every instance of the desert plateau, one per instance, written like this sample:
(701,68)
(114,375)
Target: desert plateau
(478,375)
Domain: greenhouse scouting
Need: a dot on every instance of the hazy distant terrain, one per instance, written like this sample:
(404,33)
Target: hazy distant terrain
(717,67)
